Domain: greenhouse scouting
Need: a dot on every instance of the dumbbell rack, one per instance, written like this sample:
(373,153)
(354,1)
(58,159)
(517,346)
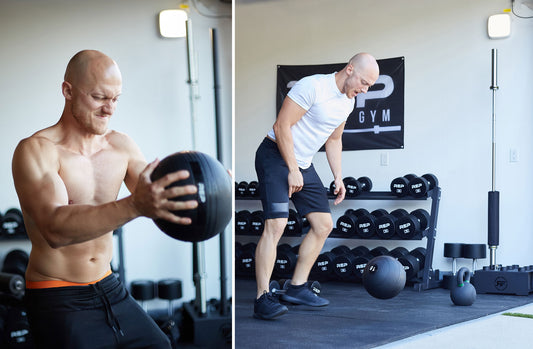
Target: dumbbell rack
(429,278)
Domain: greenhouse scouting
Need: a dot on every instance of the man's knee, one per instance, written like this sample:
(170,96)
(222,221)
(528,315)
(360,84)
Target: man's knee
(321,223)
(275,227)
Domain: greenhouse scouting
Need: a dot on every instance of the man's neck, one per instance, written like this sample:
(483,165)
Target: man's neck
(340,78)
(76,139)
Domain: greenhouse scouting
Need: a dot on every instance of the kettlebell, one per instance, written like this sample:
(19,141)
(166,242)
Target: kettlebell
(463,292)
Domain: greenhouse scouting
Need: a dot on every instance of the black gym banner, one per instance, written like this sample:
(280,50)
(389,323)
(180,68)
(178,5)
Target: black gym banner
(377,121)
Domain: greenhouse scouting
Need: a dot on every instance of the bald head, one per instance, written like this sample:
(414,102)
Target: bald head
(90,66)
(365,62)
(358,75)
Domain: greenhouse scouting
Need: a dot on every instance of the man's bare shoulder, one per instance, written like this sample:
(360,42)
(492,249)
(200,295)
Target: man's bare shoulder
(33,157)
(122,142)
(40,143)
(119,139)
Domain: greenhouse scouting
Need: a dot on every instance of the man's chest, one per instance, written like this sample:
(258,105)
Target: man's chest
(330,111)
(93,179)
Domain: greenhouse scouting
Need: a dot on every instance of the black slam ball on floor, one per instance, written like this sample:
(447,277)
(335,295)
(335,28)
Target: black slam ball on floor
(384,277)
(214,196)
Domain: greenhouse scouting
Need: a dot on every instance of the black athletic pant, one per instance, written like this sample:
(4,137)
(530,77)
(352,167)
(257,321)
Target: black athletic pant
(102,315)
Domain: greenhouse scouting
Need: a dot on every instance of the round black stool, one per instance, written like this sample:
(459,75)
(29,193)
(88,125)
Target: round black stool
(453,251)
(143,290)
(169,289)
(474,252)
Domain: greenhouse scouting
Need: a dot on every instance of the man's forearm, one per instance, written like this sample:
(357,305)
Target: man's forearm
(286,146)
(72,224)
(334,156)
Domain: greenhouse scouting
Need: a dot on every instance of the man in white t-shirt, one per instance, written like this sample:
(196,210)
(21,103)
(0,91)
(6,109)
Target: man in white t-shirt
(313,114)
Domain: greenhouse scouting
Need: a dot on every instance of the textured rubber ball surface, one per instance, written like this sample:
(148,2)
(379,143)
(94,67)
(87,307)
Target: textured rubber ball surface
(214,196)
(384,277)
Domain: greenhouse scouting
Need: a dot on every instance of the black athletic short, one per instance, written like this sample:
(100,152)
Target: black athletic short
(272,175)
(101,315)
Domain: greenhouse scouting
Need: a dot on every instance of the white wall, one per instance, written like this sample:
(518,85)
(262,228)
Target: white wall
(37,40)
(447,103)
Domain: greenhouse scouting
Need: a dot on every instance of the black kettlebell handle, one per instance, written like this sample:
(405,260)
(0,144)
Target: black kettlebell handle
(463,275)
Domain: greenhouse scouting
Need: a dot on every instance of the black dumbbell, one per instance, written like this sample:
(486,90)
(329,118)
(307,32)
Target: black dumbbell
(359,250)
(238,250)
(323,266)
(353,186)
(337,252)
(398,252)
(16,262)
(280,287)
(365,227)
(257,222)
(243,222)
(346,224)
(13,223)
(253,189)
(170,290)
(360,263)
(286,258)
(11,285)
(453,251)
(344,264)
(400,185)
(420,186)
(413,262)
(295,224)
(411,224)
(386,223)
(143,290)
(246,261)
(361,254)
(241,189)
(420,254)
(379,251)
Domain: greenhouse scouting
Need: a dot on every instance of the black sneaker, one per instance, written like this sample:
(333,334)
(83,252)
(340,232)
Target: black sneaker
(267,307)
(303,294)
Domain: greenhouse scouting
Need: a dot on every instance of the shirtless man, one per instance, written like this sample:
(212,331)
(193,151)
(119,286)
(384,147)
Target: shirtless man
(67,179)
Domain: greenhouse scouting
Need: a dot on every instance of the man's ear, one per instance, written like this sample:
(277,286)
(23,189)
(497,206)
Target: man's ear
(349,69)
(66,88)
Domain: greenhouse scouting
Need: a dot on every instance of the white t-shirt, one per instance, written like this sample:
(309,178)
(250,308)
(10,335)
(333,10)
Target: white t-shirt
(327,107)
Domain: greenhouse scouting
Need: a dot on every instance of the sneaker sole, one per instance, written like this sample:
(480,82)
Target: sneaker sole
(300,302)
(270,316)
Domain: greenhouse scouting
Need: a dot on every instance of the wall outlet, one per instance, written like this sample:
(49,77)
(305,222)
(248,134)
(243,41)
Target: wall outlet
(384,159)
(514,155)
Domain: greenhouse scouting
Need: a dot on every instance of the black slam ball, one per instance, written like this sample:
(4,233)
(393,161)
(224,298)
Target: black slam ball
(384,277)
(214,209)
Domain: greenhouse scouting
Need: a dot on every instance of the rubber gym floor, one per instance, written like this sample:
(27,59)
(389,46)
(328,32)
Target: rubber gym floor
(354,319)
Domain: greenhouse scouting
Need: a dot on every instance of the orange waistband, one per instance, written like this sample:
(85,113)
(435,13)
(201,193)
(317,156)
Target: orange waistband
(60,283)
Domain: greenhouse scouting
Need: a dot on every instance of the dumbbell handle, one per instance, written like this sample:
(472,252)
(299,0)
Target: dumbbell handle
(454,266)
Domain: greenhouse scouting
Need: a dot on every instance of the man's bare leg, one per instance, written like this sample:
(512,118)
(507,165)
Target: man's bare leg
(265,252)
(321,225)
